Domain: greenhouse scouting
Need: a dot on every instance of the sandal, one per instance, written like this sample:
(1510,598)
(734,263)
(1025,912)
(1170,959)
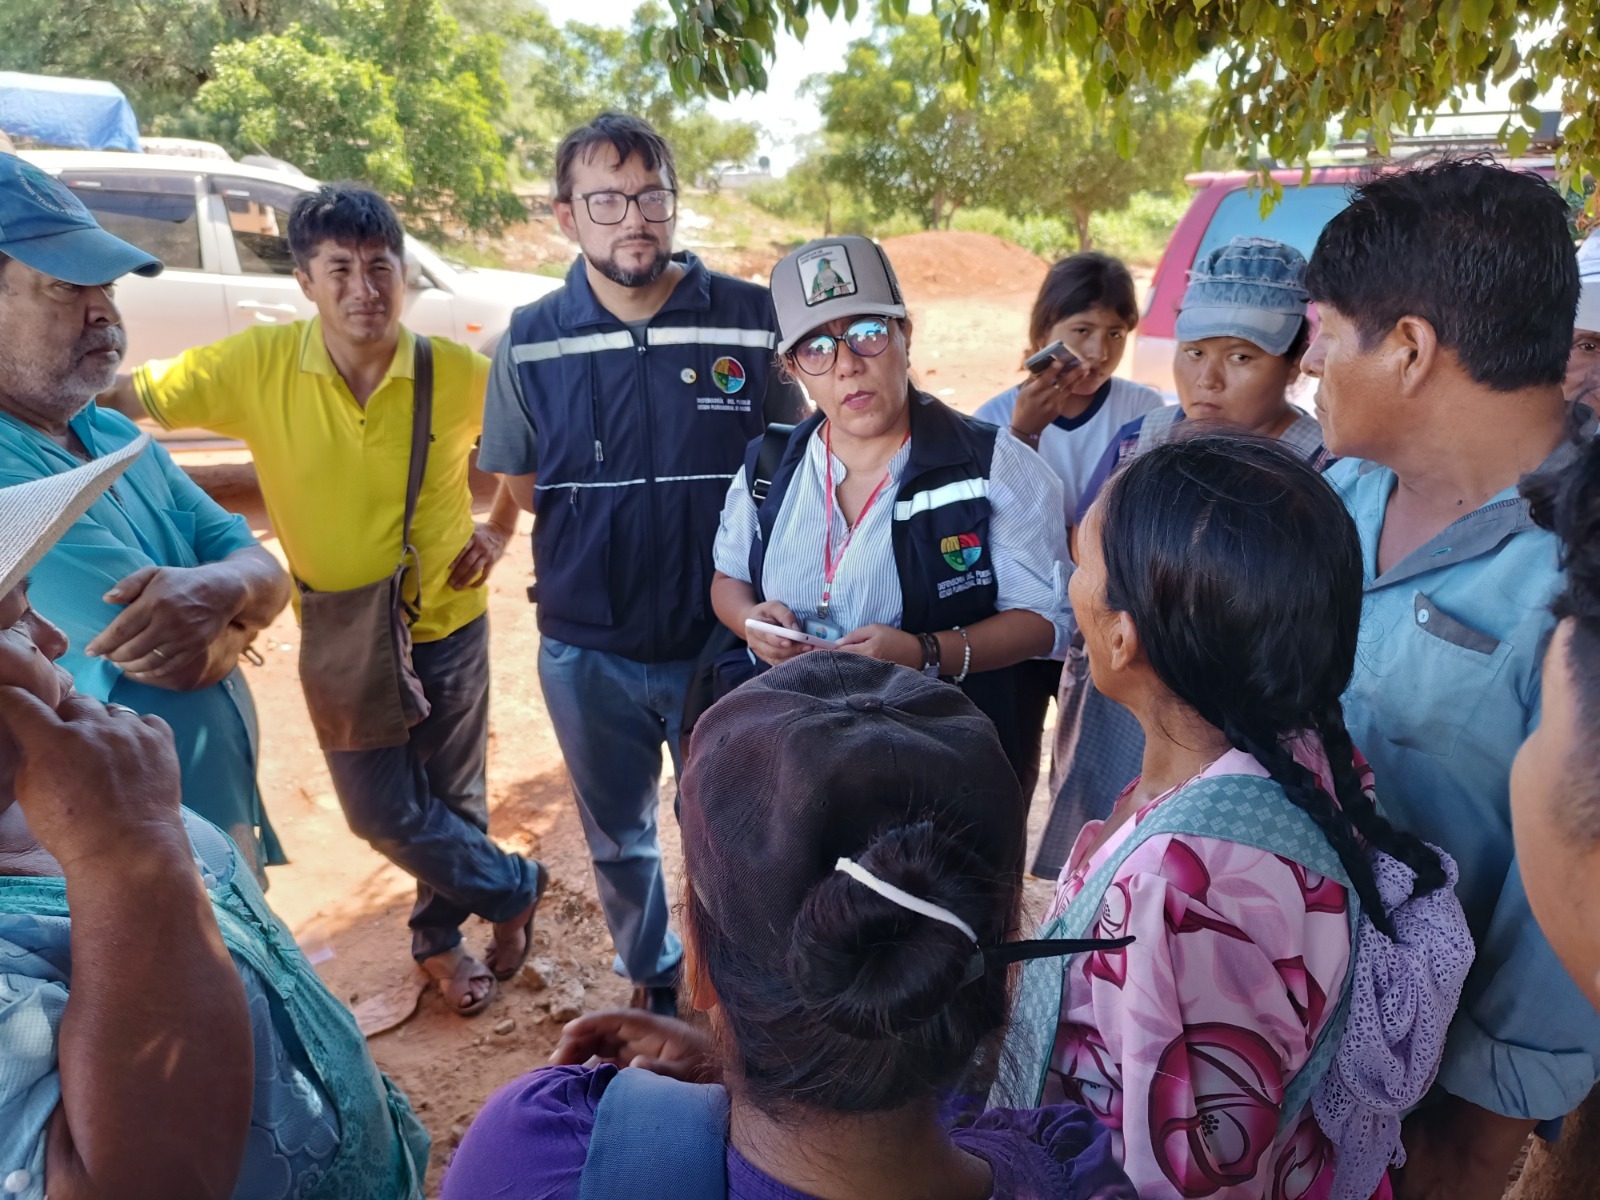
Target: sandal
(541,882)
(455,971)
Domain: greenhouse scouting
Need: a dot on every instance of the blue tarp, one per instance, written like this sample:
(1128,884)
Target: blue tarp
(85,114)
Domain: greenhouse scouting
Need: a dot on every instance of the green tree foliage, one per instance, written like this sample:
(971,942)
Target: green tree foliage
(910,139)
(389,91)
(401,98)
(261,90)
(1285,71)
(1023,141)
(1054,156)
(563,76)
(157,51)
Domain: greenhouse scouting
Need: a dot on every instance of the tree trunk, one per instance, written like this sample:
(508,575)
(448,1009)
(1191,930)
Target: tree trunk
(1081,217)
(933,218)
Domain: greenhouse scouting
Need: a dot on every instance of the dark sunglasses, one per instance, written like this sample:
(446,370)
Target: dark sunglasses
(867,338)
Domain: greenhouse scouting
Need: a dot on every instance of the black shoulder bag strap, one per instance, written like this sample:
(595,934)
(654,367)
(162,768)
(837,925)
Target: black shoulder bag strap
(421,435)
(774,441)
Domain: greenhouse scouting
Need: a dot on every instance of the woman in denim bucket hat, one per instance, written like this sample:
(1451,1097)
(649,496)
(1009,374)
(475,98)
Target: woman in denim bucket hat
(1241,331)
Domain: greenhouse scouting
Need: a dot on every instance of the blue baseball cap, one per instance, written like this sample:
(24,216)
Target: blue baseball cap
(1252,288)
(46,227)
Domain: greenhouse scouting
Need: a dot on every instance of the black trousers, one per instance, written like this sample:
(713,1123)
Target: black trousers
(1037,681)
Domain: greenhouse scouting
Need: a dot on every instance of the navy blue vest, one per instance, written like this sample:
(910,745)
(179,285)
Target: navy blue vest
(637,444)
(940,536)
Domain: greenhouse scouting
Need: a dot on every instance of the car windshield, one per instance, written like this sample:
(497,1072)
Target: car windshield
(1297,219)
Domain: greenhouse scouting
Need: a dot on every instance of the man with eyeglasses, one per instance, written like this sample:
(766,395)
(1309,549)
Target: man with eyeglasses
(619,408)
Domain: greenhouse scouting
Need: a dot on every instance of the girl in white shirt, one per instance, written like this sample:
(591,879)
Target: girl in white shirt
(1069,415)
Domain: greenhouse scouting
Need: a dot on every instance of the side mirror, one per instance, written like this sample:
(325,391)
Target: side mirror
(415,279)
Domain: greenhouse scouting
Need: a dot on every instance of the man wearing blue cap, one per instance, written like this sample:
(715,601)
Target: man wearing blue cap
(159,589)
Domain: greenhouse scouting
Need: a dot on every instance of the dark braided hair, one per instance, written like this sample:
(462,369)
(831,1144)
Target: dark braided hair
(1241,571)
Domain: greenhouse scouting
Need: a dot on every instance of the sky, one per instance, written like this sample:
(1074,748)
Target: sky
(783,114)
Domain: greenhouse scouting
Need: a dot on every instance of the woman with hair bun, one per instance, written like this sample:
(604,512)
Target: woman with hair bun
(853,843)
(1295,960)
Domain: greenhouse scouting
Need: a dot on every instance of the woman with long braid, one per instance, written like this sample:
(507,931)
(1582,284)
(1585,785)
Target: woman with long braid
(1296,960)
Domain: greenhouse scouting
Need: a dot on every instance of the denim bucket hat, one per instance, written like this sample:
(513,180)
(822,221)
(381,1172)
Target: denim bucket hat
(1252,288)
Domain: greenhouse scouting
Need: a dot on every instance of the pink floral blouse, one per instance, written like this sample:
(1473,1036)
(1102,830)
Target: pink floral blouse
(1184,1042)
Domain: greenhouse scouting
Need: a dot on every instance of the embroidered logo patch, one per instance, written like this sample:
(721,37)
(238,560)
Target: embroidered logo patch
(728,374)
(962,551)
(825,274)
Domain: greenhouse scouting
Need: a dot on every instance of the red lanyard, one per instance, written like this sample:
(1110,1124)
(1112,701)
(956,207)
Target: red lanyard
(830,564)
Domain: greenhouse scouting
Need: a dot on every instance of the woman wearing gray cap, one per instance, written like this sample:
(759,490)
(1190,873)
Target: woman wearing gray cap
(1241,332)
(853,846)
(893,527)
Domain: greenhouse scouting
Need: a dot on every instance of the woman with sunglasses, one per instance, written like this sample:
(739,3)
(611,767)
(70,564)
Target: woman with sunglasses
(893,526)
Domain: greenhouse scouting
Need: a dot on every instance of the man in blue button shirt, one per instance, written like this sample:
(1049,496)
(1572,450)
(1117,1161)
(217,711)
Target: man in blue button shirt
(1446,297)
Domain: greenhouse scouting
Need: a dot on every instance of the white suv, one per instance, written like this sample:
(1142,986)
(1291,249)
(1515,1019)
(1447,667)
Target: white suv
(220,229)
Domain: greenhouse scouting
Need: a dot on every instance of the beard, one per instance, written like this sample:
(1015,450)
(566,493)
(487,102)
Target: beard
(623,277)
(58,391)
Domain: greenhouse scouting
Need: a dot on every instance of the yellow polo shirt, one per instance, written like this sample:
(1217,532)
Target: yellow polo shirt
(332,473)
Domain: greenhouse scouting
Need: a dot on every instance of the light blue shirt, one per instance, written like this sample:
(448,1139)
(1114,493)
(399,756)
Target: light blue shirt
(1446,688)
(1027,546)
(154,515)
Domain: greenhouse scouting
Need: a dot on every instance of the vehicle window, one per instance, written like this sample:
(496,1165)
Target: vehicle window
(1297,219)
(157,213)
(258,215)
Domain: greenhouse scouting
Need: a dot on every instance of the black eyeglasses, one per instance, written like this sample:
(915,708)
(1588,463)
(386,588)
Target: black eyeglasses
(658,205)
(866,338)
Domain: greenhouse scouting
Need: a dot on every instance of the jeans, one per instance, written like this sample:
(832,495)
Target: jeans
(611,715)
(423,805)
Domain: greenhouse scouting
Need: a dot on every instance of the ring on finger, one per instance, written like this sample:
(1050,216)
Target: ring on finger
(159,653)
(119,709)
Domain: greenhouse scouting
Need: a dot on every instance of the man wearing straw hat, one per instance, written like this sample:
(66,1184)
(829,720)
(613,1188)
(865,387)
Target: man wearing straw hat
(158,588)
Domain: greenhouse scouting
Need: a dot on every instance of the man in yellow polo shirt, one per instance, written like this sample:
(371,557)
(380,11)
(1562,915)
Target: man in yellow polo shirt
(326,409)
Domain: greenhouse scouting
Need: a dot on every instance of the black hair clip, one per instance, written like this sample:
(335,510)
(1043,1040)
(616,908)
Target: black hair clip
(1015,952)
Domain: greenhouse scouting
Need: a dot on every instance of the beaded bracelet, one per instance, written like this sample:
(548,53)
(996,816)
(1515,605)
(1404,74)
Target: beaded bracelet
(966,654)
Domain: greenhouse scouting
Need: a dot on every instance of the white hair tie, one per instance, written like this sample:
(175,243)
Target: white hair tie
(903,898)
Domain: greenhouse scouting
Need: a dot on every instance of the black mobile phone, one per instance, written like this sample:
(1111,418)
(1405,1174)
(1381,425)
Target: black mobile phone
(1054,350)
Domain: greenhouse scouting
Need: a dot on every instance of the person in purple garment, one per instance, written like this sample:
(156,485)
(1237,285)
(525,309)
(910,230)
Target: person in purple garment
(853,841)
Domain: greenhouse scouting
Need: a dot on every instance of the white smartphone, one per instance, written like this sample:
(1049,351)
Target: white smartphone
(794,635)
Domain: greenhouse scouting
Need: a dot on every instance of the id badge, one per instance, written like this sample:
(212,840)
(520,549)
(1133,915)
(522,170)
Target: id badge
(823,629)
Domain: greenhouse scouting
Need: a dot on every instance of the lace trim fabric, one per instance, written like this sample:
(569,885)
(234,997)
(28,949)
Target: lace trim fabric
(1403,994)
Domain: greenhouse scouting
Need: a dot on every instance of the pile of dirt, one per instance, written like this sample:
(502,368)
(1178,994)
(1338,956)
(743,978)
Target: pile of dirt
(950,263)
